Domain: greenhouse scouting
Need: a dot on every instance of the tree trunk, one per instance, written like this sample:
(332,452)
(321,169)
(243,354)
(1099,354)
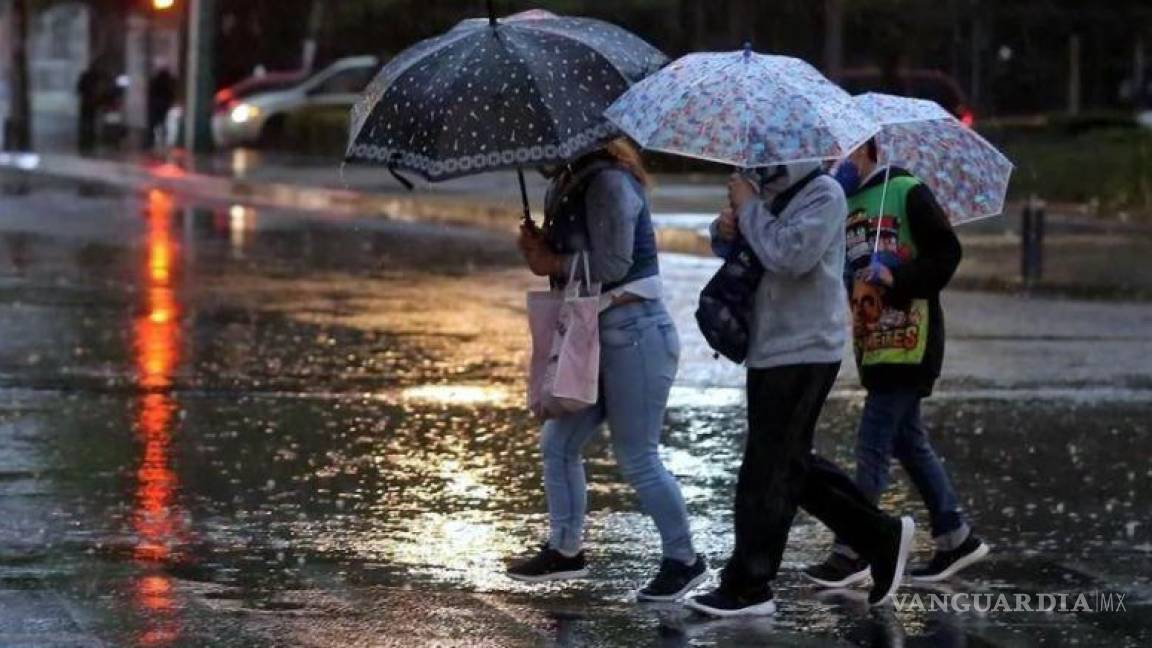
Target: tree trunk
(833,38)
(741,25)
(18,128)
(691,26)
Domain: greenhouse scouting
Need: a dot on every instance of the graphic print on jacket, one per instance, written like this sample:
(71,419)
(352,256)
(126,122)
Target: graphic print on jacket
(884,331)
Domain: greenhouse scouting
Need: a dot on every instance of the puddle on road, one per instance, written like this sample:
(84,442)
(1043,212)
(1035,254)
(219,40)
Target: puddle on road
(239,443)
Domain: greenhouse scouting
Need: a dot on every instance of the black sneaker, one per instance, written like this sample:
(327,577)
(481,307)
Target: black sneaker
(547,565)
(723,603)
(888,567)
(838,571)
(946,564)
(674,580)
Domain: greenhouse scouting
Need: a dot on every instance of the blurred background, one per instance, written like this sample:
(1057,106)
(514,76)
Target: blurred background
(249,397)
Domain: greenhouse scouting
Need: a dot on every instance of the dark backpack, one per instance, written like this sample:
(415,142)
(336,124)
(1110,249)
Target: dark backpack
(724,314)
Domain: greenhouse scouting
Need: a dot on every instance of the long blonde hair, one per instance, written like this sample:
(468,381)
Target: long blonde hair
(619,151)
(625,153)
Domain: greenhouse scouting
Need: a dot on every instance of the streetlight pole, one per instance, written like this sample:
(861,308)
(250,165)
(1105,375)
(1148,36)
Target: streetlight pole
(201,78)
(18,125)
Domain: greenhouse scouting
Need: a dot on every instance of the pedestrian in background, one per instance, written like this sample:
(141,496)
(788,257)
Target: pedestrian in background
(161,97)
(91,88)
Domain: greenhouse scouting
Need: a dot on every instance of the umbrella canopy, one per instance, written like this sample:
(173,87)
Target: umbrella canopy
(744,109)
(967,174)
(526,90)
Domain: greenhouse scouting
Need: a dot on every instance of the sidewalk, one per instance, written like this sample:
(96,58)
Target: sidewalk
(1085,256)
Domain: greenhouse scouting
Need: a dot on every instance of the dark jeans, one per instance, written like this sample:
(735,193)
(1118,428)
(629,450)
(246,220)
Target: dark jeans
(891,427)
(780,473)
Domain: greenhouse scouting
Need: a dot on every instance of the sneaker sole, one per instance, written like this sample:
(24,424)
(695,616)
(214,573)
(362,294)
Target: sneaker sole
(907,531)
(566,575)
(848,581)
(976,556)
(767,608)
(692,584)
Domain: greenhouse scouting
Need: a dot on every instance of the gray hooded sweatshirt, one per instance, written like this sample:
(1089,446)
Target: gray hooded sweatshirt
(801,311)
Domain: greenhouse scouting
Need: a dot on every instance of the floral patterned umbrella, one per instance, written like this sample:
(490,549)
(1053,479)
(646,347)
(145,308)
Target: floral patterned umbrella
(743,109)
(966,173)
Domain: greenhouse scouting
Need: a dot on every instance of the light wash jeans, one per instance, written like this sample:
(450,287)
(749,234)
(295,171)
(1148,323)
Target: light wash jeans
(639,353)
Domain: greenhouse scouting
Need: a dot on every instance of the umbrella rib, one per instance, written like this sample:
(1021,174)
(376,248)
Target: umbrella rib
(688,88)
(560,34)
(532,74)
(405,66)
(787,82)
(451,84)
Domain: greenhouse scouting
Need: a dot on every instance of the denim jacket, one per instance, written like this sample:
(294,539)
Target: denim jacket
(603,211)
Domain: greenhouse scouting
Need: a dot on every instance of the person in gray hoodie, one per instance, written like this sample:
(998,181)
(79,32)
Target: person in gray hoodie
(792,216)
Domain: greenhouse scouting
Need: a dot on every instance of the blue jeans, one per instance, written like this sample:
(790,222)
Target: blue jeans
(891,427)
(639,353)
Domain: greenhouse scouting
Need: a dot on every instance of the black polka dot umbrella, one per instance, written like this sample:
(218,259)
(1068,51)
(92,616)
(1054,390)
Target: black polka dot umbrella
(526,90)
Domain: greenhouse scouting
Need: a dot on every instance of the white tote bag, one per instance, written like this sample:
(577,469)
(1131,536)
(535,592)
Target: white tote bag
(564,375)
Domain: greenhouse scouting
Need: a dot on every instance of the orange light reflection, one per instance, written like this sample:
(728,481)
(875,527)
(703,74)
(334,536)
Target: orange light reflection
(157,339)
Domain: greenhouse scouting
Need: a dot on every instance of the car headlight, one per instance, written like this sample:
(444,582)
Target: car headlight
(244,113)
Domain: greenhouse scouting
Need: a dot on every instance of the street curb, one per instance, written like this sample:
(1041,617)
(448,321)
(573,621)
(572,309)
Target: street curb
(414,206)
(470,209)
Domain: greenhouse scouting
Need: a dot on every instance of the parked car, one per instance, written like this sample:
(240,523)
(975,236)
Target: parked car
(227,98)
(256,84)
(922,84)
(262,117)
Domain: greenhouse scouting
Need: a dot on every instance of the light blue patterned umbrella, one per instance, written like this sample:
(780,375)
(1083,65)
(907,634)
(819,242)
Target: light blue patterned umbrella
(966,173)
(743,109)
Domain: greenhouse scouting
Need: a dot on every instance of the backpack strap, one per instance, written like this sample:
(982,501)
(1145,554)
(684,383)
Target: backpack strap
(577,182)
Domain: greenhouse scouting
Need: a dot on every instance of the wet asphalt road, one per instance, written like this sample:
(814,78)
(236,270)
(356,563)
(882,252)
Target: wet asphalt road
(229,427)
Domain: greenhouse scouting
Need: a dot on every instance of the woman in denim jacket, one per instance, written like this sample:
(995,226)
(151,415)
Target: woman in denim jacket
(597,205)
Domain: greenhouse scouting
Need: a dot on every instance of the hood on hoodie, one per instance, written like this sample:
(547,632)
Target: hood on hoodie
(777,179)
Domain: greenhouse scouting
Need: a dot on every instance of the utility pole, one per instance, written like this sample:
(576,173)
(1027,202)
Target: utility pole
(742,24)
(833,38)
(957,37)
(18,125)
(1074,75)
(315,21)
(1139,73)
(201,78)
(977,53)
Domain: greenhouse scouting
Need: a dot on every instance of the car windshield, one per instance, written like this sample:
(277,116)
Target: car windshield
(256,85)
(264,86)
(350,81)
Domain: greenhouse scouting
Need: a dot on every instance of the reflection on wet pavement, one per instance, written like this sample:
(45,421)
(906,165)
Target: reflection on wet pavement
(229,427)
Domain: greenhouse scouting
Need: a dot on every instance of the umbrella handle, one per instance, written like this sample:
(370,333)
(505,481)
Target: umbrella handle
(880,216)
(527,219)
(401,179)
(491,13)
